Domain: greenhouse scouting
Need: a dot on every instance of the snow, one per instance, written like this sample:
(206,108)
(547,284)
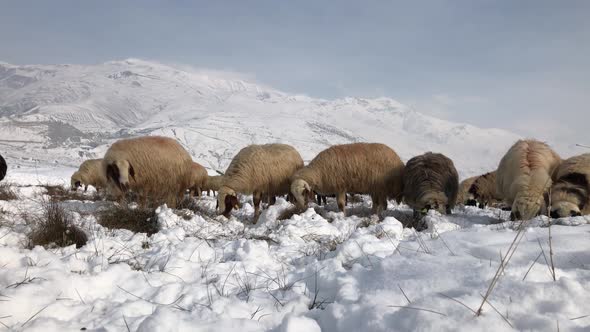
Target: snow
(316,271)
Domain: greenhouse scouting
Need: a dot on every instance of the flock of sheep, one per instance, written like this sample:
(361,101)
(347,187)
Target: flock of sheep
(531,179)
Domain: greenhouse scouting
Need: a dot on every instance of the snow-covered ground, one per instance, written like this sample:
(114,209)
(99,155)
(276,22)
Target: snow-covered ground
(311,272)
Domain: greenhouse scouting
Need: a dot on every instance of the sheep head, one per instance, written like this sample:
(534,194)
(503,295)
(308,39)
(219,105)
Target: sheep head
(434,200)
(526,207)
(227,199)
(568,201)
(76,181)
(302,192)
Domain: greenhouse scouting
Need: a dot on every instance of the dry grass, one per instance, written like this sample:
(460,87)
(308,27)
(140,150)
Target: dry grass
(60,193)
(54,228)
(7,193)
(138,220)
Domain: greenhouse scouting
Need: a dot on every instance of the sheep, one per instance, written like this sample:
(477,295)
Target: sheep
(258,170)
(570,194)
(366,168)
(3,168)
(198,179)
(213,183)
(483,190)
(89,173)
(155,167)
(524,177)
(431,182)
(463,195)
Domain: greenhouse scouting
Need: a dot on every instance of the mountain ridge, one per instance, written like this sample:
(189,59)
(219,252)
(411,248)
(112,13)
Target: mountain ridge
(73,112)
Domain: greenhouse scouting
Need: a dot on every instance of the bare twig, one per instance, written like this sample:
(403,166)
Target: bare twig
(461,303)
(38,312)
(415,308)
(497,311)
(81,300)
(445,243)
(530,268)
(126,325)
(544,256)
(503,264)
(407,299)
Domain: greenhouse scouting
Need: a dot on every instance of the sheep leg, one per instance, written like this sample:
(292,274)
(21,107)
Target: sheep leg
(257,197)
(85,187)
(341,199)
(377,204)
(272,200)
(198,192)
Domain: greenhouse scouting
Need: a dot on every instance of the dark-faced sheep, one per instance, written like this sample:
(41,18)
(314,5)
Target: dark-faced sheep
(89,174)
(366,168)
(431,182)
(258,170)
(198,179)
(570,193)
(484,191)
(524,177)
(3,168)
(157,169)
(463,195)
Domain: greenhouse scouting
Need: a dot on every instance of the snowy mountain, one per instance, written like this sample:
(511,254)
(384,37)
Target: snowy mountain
(65,113)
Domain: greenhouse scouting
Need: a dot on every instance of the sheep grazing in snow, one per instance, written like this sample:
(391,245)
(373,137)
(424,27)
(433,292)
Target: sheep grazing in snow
(198,179)
(156,168)
(3,168)
(570,193)
(431,182)
(463,195)
(258,170)
(524,177)
(484,191)
(212,184)
(89,174)
(366,168)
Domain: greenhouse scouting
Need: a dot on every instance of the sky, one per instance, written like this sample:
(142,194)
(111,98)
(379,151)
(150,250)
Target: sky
(518,65)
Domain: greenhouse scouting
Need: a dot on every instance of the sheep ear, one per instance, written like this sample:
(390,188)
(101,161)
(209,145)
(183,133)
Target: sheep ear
(132,171)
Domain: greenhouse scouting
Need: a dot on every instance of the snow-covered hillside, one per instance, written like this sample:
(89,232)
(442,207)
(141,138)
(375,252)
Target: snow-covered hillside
(65,113)
(318,270)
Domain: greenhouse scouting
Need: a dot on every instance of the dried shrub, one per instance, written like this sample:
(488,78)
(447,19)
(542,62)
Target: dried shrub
(137,220)
(7,193)
(54,228)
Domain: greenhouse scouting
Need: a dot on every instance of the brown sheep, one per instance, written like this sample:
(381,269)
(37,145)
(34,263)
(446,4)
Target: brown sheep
(213,184)
(463,195)
(257,170)
(524,177)
(366,168)
(484,191)
(157,168)
(89,173)
(198,179)
(3,168)
(431,182)
(570,194)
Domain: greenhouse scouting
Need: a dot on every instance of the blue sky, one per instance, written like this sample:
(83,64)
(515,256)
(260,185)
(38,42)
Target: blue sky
(520,65)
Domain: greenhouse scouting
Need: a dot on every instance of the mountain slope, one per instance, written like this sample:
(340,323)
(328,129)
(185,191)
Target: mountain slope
(65,113)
